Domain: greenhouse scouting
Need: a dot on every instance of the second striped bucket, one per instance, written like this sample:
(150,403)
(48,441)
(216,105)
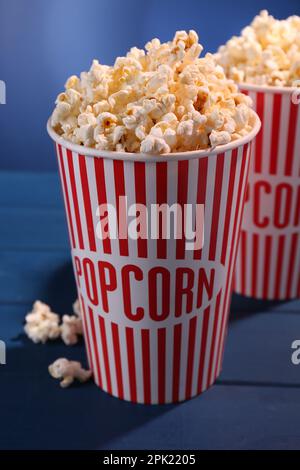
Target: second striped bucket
(268,260)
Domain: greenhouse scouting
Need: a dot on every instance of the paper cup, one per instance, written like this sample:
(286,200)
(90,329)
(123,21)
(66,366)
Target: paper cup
(154,313)
(268,260)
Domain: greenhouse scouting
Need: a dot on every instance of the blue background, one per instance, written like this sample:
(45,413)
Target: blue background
(44,42)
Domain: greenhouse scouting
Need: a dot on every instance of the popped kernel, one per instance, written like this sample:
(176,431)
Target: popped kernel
(159,100)
(266,53)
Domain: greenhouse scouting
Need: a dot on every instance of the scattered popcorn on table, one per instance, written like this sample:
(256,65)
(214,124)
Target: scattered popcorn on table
(68,371)
(70,328)
(266,53)
(165,99)
(76,308)
(42,324)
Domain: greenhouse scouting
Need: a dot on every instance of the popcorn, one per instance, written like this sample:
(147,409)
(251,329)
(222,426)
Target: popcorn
(68,371)
(70,328)
(161,100)
(266,53)
(41,323)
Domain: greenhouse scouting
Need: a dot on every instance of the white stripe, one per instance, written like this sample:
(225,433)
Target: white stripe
(172,188)
(267,132)
(296,269)
(208,208)
(124,362)
(94,201)
(283,132)
(111,358)
(69,189)
(138,355)
(212,314)
(261,260)
(80,201)
(131,199)
(183,359)
(223,203)
(169,363)
(150,172)
(285,265)
(197,350)
(192,199)
(153,365)
(100,351)
(93,352)
(111,199)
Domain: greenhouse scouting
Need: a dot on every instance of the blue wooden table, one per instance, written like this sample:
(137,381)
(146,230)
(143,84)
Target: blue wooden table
(255,403)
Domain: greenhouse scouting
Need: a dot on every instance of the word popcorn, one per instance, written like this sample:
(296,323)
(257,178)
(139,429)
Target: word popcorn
(266,53)
(165,99)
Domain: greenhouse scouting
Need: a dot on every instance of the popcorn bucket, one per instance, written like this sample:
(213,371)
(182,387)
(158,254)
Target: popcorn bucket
(154,310)
(268,260)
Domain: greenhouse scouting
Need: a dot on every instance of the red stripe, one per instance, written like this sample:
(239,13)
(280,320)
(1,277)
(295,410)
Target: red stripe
(86,335)
(120,191)
(280,252)
(101,192)
(229,204)
(131,363)
(182,190)
(75,199)
(191,355)
(216,206)
(275,133)
(291,139)
(260,109)
(140,195)
(201,191)
(292,263)
(146,365)
(213,340)
(176,361)
(105,353)
(255,256)
(87,202)
(267,262)
(65,190)
(161,198)
(117,354)
(243,261)
(161,366)
(96,346)
(203,348)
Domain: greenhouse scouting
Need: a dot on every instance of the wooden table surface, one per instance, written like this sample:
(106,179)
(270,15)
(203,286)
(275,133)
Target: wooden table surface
(254,405)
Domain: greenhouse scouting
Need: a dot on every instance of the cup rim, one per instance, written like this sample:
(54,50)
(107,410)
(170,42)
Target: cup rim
(267,88)
(142,157)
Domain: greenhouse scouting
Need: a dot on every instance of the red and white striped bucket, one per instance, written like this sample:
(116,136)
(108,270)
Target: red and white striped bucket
(268,260)
(155,314)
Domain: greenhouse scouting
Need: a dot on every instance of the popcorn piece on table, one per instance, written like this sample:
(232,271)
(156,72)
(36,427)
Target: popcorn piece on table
(76,308)
(71,327)
(68,371)
(41,323)
(266,53)
(159,100)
